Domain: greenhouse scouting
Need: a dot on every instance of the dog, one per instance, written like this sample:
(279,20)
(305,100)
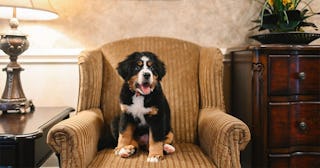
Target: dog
(144,120)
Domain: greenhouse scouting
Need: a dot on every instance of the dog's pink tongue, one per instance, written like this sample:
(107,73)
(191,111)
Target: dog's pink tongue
(145,89)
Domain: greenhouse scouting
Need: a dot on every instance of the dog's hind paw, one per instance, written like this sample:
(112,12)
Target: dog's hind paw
(125,151)
(168,149)
(154,159)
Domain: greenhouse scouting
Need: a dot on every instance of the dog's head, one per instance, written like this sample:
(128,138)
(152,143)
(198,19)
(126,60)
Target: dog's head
(142,71)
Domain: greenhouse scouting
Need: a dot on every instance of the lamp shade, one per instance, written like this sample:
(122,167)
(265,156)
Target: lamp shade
(27,9)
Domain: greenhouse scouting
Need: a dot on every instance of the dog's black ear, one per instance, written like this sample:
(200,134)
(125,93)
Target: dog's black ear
(124,67)
(160,68)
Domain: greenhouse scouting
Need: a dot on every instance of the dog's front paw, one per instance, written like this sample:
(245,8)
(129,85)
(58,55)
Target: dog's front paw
(123,107)
(154,158)
(168,149)
(125,151)
(153,111)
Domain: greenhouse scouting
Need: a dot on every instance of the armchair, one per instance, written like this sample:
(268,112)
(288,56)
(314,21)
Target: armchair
(205,135)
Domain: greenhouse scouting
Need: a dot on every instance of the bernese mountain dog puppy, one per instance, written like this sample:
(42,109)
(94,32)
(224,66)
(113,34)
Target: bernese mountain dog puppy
(145,114)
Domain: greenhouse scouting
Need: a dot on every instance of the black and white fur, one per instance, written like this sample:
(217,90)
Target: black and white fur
(144,107)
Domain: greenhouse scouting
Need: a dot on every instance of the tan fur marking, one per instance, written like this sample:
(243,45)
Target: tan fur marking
(126,138)
(154,111)
(169,138)
(134,143)
(123,107)
(132,82)
(155,148)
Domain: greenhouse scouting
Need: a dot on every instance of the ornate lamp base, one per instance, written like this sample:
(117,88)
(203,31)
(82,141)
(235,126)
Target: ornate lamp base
(17,106)
(13,98)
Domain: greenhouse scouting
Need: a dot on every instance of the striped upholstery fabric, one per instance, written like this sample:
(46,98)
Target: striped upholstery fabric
(205,136)
(187,156)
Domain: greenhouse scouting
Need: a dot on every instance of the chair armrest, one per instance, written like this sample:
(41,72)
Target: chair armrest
(222,136)
(211,78)
(90,79)
(76,139)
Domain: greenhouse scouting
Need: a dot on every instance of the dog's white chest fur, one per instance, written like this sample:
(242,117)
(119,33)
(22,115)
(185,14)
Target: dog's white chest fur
(137,108)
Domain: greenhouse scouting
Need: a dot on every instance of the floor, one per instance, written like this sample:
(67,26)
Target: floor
(51,162)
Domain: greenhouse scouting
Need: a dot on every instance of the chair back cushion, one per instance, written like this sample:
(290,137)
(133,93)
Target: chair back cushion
(180,84)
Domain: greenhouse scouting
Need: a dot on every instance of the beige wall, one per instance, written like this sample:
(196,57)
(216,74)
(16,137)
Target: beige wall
(50,76)
(208,22)
(88,24)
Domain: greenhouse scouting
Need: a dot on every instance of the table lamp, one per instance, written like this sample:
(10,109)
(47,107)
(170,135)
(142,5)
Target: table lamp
(14,43)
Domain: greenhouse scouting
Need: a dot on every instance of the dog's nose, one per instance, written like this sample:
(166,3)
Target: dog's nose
(146,75)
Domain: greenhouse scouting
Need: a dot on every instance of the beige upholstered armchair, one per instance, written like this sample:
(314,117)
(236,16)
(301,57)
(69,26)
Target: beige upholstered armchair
(205,135)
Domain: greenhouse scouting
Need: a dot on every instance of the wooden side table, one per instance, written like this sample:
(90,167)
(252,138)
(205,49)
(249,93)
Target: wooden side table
(23,136)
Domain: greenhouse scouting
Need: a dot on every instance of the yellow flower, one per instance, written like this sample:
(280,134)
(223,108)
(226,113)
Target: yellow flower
(288,2)
(285,2)
(291,7)
(270,2)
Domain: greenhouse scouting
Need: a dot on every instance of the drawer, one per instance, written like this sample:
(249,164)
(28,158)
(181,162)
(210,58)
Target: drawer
(294,75)
(294,124)
(296,160)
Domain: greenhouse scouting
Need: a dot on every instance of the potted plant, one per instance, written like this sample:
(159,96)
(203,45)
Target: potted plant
(285,18)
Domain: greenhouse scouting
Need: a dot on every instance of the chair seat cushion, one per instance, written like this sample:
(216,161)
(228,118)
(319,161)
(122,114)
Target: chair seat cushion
(187,155)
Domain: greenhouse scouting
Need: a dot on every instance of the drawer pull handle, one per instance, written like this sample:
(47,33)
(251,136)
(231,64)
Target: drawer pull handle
(302,76)
(303,126)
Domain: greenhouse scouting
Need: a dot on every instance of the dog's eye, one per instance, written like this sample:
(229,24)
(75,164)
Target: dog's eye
(149,63)
(139,63)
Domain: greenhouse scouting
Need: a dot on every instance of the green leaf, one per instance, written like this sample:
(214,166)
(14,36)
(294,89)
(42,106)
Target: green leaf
(278,6)
(295,3)
(308,24)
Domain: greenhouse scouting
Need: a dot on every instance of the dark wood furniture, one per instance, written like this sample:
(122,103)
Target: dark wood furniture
(276,91)
(23,136)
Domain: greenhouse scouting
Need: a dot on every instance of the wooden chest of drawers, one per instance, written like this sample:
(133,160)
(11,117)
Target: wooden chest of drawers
(276,91)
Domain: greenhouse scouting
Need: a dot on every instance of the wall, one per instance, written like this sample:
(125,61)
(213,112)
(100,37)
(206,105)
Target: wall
(207,22)
(88,24)
(50,77)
